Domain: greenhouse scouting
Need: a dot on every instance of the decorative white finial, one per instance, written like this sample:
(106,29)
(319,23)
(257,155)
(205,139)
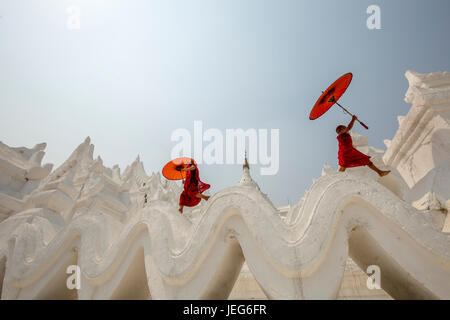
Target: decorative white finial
(246,179)
(245,161)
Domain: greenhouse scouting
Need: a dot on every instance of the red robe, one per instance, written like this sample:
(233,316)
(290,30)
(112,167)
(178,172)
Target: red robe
(192,186)
(348,156)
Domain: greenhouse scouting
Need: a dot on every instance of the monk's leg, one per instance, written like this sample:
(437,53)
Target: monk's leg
(199,195)
(341,169)
(181,209)
(381,173)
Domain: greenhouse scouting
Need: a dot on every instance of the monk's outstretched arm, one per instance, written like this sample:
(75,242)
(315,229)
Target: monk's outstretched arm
(350,125)
(191,168)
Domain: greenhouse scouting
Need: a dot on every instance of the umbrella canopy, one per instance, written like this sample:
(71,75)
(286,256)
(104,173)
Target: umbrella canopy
(172,170)
(330,96)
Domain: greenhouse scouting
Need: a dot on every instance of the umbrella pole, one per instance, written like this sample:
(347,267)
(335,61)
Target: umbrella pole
(345,110)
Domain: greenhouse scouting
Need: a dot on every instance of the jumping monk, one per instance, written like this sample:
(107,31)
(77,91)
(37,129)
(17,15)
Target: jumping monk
(348,156)
(193,188)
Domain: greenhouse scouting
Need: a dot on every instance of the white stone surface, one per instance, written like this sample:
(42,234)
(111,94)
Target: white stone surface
(20,173)
(420,150)
(422,140)
(353,286)
(87,215)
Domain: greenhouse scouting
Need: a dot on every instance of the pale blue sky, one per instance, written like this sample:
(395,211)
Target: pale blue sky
(137,70)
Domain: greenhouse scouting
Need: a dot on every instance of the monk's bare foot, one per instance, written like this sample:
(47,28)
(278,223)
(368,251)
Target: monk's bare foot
(181,210)
(206,198)
(384,173)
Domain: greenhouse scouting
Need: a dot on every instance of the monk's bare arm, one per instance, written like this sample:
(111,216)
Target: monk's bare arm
(350,125)
(191,168)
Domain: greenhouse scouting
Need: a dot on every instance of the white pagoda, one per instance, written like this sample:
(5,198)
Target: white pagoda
(86,231)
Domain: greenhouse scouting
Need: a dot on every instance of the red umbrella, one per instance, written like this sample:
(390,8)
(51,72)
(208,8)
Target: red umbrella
(330,97)
(172,170)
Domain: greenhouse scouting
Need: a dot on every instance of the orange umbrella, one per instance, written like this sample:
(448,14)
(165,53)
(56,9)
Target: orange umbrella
(172,170)
(330,97)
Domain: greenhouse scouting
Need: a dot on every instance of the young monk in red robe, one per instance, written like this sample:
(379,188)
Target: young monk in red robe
(193,188)
(348,156)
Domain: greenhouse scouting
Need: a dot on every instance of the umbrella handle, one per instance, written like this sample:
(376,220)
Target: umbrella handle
(345,110)
(362,123)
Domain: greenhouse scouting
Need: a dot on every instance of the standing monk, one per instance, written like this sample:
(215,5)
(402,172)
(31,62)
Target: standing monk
(193,188)
(348,156)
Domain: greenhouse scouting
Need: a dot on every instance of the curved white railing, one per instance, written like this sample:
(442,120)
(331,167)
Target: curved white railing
(161,254)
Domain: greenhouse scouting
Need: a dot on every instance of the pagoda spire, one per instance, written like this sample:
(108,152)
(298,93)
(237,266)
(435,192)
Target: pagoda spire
(245,162)
(246,179)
